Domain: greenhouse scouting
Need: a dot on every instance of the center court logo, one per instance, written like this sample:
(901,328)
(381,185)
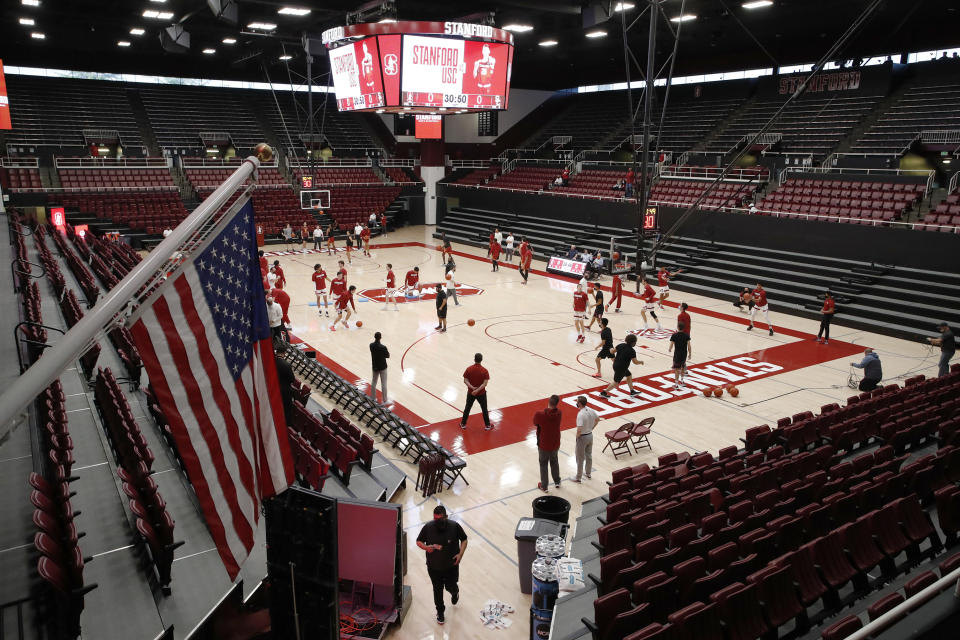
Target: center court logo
(410,295)
(653,334)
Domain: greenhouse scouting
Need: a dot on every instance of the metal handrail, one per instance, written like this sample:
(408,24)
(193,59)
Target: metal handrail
(940,136)
(332,162)
(102,317)
(152,188)
(829,217)
(845,170)
(952,185)
(220,163)
(111,163)
(20,163)
(908,145)
(14,270)
(907,606)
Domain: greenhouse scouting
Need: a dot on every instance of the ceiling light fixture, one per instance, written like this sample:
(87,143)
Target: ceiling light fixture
(137,31)
(123,43)
(286,57)
(28,22)
(36,35)
(229,41)
(623,6)
(757,4)
(596,34)
(158,1)
(30,3)
(209,51)
(518,28)
(262,26)
(548,43)
(293,11)
(158,15)
(687,17)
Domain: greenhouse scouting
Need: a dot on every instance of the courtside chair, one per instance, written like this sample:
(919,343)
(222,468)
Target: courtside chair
(618,440)
(639,433)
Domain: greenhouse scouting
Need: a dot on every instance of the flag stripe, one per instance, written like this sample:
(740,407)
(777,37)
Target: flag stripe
(223,391)
(189,402)
(277,459)
(158,381)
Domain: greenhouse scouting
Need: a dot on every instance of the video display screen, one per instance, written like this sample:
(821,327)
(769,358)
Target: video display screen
(357,81)
(465,74)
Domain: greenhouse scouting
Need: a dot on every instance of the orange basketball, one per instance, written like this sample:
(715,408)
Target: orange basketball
(717,392)
(359,323)
(471,322)
(734,392)
(707,392)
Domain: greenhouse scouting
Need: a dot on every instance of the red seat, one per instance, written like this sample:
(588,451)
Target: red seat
(841,629)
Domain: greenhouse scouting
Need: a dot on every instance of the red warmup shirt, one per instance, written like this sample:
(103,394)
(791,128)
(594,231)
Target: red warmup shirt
(281,278)
(282,298)
(391,280)
(338,285)
(648,295)
(344,299)
(495,250)
(525,255)
(663,277)
(565,174)
(548,429)
(760,297)
(579,301)
(684,317)
(264,267)
(413,277)
(475,375)
(617,285)
(828,305)
(365,234)
(319,280)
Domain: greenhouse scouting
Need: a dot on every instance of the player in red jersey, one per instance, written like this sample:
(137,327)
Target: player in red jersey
(344,299)
(579,312)
(282,298)
(366,68)
(264,265)
(281,278)
(616,293)
(526,257)
(365,238)
(649,297)
(390,293)
(342,270)
(829,307)
(483,70)
(490,244)
(683,318)
(412,281)
(338,284)
(331,241)
(495,255)
(760,304)
(663,279)
(319,278)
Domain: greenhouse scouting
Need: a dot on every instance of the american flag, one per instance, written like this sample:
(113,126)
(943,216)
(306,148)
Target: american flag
(206,345)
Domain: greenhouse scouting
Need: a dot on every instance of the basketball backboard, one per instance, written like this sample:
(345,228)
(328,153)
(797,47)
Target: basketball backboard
(316,199)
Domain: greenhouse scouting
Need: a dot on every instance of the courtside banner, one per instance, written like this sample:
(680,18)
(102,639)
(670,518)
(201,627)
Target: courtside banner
(5,120)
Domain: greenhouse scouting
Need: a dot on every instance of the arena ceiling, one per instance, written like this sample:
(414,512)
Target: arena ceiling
(724,35)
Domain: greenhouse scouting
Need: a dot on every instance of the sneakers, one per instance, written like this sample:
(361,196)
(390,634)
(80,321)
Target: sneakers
(557,485)
(577,480)
(587,476)
(439,326)
(826,342)
(455,598)
(440,619)
(333,327)
(463,426)
(634,392)
(542,487)
(820,340)
(489,427)
(771,331)
(616,310)
(604,394)
(596,375)
(750,327)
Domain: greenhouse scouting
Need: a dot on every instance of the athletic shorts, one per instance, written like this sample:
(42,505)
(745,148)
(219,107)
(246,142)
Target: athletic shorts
(649,306)
(579,315)
(442,313)
(598,311)
(679,362)
(321,293)
(604,353)
(664,291)
(330,240)
(620,374)
(390,293)
(765,308)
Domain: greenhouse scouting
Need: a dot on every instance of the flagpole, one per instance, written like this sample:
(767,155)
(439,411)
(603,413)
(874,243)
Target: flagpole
(55,359)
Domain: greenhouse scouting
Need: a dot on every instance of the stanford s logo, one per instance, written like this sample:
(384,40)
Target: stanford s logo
(390,64)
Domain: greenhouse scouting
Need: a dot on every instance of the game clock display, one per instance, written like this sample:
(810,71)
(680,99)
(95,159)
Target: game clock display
(651,218)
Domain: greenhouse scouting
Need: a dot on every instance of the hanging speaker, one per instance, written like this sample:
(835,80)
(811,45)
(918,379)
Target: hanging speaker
(175,39)
(225,10)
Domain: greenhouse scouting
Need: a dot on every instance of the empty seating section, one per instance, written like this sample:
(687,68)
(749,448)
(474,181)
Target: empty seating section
(685,192)
(480,176)
(590,119)
(946,213)
(55,111)
(148,211)
(344,131)
(593,182)
(933,106)
(862,201)
(178,115)
(205,180)
(527,178)
(116,179)
(685,125)
(134,462)
(399,174)
(340,175)
(332,442)
(792,521)
(350,205)
(18,179)
(812,124)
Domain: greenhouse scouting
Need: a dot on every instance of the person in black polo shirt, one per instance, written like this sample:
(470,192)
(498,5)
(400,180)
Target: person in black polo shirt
(378,356)
(445,543)
(624,355)
(441,308)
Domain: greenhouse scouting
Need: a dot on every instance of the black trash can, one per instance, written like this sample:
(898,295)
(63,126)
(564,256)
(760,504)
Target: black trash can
(552,508)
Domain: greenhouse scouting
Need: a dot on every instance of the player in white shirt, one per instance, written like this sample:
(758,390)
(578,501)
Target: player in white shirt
(317,238)
(271,278)
(508,248)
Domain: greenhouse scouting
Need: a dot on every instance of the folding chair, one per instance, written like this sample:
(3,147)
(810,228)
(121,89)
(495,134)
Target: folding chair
(639,433)
(618,440)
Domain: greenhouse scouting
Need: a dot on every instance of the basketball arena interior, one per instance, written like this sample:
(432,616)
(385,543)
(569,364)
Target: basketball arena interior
(659,296)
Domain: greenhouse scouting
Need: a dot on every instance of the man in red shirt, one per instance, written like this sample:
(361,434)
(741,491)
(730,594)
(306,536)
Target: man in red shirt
(683,318)
(383,224)
(412,281)
(663,279)
(649,297)
(338,284)
(264,265)
(579,312)
(390,293)
(526,257)
(331,241)
(565,177)
(281,278)
(760,304)
(282,298)
(829,307)
(547,422)
(490,244)
(342,270)
(616,292)
(628,184)
(476,378)
(365,237)
(495,255)
(319,278)
(344,299)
